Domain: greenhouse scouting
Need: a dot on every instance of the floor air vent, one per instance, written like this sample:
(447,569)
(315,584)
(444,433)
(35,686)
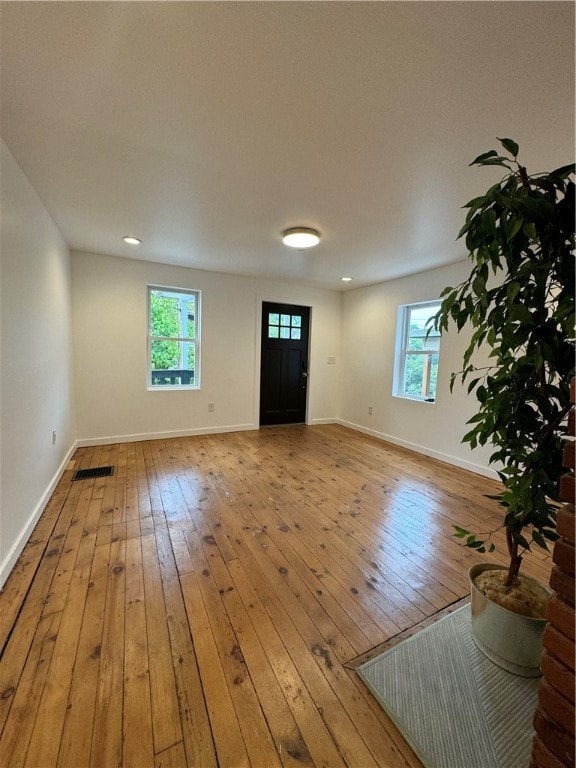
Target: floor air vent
(88,474)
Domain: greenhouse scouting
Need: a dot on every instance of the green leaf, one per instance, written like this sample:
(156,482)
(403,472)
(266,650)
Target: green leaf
(479,285)
(484,156)
(514,226)
(476,202)
(462,231)
(511,146)
(539,539)
(476,418)
(496,161)
(472,384)
(529,230)
(522,541)
(564,171)
(512,290)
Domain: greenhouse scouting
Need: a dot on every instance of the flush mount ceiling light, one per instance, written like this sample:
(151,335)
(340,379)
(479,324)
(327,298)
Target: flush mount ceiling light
(300,237)
(131,240)
(346,279)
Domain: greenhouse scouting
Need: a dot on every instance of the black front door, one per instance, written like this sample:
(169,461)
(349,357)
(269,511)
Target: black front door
(284,363)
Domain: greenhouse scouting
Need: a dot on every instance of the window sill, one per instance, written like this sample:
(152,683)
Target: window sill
(173,389)
(413,398)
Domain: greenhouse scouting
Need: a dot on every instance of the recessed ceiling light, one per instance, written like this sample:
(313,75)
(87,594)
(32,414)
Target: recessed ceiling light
(346,279)
(300,237)
(131,240)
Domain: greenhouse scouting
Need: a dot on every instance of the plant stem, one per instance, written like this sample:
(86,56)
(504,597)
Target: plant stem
(515,559)
(553,426)
(524,176)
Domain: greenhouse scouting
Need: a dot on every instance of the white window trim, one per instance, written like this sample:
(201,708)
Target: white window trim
(401,353)
(196,341)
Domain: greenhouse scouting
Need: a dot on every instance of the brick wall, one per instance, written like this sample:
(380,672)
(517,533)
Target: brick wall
(553,744)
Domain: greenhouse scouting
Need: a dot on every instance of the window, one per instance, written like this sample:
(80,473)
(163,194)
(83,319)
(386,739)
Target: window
(284,326)
(416,359)
(173,338)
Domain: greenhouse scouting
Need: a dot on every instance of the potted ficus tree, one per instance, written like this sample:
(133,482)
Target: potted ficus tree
(519,302)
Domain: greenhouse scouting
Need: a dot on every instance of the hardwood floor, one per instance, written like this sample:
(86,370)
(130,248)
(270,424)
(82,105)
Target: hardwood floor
(198,607)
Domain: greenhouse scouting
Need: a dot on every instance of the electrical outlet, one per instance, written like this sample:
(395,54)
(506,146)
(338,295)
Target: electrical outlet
(211,408)
(369,410)
(53,437)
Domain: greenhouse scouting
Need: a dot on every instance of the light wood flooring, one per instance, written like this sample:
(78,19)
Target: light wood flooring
(201,606)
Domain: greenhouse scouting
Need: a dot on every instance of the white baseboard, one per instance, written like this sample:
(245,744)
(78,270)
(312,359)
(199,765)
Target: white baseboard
(447,458)
(16,550)
(90,441)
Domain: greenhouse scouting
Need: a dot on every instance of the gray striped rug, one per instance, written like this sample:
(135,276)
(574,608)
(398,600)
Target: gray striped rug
(454,706)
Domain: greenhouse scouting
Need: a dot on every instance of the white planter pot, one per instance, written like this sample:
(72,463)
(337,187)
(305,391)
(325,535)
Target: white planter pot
(511,641)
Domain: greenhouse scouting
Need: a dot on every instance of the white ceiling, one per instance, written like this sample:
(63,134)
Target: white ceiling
(206,128)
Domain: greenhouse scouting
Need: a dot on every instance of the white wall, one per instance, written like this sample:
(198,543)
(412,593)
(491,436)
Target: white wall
(369,333)
(110,320)
(36,395)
